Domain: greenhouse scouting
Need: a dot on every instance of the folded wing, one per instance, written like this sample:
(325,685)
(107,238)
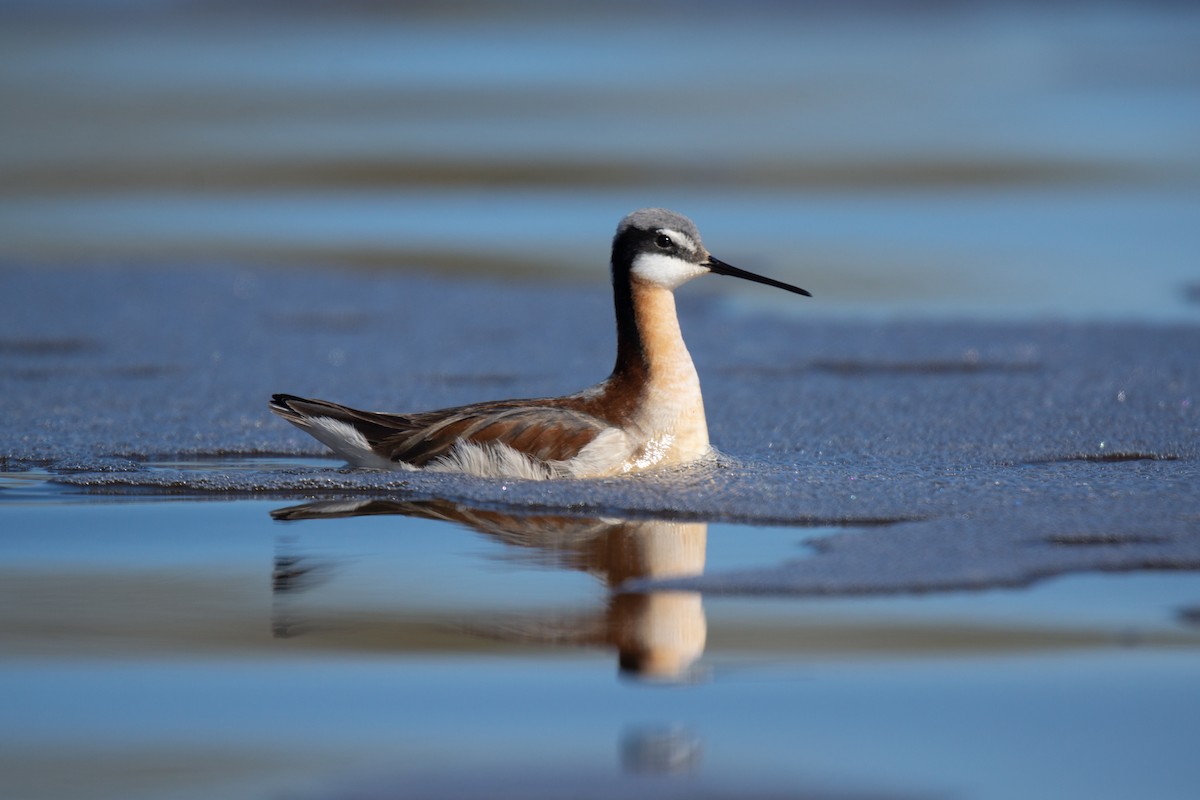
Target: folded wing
(546,431)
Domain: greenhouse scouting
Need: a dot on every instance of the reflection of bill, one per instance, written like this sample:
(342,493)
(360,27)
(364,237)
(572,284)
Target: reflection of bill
(658,635)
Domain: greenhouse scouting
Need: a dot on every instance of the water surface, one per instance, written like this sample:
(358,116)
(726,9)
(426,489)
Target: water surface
(949,546)
(185,648)
(981,158)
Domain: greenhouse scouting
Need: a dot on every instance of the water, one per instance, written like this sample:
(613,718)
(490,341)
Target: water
(938,556)
(982,158)
(162,636)
(182,647)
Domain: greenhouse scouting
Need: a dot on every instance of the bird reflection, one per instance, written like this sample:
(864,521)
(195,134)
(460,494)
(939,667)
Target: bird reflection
(658,635)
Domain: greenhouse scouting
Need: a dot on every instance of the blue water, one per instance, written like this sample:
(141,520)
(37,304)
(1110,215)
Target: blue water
(969,160)
(984,158)
(422,657)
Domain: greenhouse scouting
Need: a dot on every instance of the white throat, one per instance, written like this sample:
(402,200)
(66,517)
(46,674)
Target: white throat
(663,270)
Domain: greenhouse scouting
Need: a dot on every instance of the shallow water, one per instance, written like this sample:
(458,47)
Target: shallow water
(970,454)
(184,647)
(972,158)
(937,556)
(163,635)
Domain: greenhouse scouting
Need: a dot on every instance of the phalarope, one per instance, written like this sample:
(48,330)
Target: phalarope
(647,414)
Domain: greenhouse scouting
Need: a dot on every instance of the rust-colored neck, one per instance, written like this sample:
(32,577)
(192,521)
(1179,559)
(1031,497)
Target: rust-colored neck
(649,342)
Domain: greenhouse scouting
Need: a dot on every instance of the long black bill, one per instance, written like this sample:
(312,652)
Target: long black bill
(721,268)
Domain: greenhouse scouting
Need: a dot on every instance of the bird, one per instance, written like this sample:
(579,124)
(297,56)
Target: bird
(647,414)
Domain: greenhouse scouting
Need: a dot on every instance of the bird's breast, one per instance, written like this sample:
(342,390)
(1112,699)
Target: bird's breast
(668,424)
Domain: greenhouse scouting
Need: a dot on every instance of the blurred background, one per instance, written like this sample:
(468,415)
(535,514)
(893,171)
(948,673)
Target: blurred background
(952,157)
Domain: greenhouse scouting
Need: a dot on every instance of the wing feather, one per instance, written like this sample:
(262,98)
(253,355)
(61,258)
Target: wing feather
(546,433)
(545,430)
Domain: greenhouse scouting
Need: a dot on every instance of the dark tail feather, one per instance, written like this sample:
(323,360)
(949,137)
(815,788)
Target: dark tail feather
(297,409)
(281,404)
(374,427)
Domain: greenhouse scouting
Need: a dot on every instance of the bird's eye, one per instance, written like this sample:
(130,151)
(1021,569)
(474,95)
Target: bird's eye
(664,241)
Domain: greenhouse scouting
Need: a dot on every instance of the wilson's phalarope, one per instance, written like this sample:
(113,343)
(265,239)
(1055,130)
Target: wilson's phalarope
(648,413)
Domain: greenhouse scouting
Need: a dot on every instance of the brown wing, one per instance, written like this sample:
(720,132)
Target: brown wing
(543,432)
(547,430)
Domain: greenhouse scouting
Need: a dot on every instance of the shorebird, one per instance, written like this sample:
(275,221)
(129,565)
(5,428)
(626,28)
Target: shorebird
(647,414)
